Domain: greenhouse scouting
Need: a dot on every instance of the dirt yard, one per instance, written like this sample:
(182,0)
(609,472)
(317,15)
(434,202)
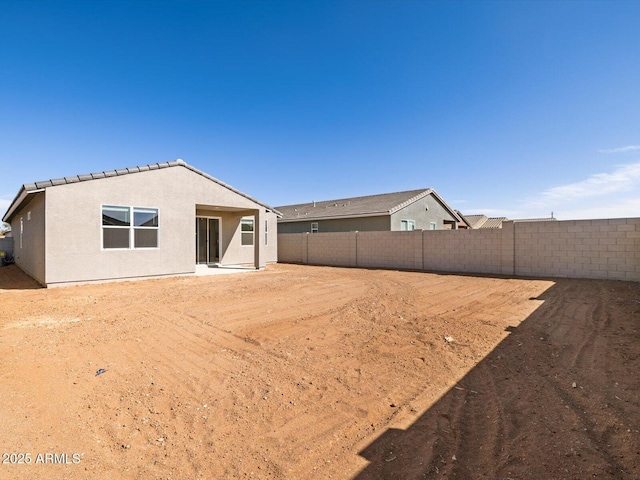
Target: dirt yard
(308,372)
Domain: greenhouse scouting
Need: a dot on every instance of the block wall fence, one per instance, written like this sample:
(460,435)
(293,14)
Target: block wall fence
(603,249)
(6,245)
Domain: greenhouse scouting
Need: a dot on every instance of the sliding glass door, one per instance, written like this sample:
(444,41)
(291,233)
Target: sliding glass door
(207,240)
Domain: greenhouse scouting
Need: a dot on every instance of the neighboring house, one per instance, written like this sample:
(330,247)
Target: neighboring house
(464,223)
(482,221)
(412,210)
(153,220)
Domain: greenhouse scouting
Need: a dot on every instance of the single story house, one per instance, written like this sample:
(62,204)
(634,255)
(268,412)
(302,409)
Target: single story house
(147,221)
(411,210)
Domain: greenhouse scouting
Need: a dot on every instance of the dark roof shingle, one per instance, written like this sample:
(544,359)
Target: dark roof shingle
(382,204)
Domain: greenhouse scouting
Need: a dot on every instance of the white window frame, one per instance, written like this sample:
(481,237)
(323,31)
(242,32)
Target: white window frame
(245,220)
(433,226)
(314,229)
(132,227)
(406,224)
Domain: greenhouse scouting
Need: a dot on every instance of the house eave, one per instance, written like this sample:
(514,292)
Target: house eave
(18,201)
(36,187)
(333,217)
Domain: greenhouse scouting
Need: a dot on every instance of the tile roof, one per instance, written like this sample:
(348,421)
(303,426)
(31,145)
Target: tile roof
(370,205)
(482,221)
(109,173)
(494,222)
(475,221)
(38,186)
(550,219)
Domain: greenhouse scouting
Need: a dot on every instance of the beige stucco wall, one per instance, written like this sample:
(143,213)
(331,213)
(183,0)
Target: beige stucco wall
(29,251)
(362,224)
(233,252)
(424,211)
(607,248)
(74,225)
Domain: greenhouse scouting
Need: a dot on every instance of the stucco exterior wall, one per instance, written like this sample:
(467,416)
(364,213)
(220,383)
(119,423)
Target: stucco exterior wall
(233,252)
(29,241)
(423,212)
(362,224)
(607,249)
(74,225)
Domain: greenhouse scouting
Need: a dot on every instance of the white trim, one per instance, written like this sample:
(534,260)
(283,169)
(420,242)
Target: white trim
(131,227)
(410,223)
(253,222)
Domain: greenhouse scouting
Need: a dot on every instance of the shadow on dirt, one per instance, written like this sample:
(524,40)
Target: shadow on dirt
(12,278)
(558,398)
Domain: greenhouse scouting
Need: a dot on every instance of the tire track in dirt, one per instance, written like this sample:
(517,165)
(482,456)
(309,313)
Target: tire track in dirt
(220,377)
(519,414)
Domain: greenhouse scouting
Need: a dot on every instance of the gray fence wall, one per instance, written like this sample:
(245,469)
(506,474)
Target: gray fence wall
(6,245)
(607,248)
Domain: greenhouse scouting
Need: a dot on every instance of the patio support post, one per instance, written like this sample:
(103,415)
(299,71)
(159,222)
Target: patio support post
(258,244)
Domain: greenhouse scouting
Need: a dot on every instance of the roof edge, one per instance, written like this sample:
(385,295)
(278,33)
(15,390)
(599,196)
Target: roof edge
(180,162)
(408,202)
(336,217)
(29,188)
(18,200)
(446,206)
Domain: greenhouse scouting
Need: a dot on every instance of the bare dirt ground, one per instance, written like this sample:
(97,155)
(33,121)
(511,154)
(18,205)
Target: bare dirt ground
(308,372)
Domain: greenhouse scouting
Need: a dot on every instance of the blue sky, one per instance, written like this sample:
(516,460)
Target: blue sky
(505,108)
